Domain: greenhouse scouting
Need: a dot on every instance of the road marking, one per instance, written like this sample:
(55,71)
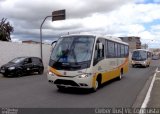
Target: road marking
(158,71)
(146,100)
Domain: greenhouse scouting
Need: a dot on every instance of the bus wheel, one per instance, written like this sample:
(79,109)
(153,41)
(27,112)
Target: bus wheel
(97,84)
(120,75)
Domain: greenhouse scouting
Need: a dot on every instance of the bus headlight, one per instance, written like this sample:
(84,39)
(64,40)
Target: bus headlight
(50,73)
(85,75)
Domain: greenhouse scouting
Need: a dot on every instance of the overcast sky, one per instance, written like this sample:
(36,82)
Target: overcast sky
(107,17)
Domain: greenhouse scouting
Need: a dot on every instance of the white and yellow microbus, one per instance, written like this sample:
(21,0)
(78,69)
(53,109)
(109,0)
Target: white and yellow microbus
(141,57)
(87,61)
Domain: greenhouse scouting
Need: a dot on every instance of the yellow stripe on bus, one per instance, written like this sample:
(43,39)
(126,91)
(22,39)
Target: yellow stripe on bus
(54,71)
(108,75)
(94,81)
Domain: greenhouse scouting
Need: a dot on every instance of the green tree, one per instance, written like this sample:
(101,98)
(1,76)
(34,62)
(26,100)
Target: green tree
(5,30)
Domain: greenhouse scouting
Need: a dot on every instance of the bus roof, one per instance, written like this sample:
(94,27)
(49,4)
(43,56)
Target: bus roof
(111,38)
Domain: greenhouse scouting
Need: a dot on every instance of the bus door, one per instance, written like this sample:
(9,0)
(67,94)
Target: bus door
(99,56)
(118,54)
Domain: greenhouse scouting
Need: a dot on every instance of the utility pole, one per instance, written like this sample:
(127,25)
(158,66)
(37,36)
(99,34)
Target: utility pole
(41,35)
(56,15)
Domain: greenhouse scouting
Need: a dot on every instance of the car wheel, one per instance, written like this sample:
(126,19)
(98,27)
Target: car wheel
(19,73)
(40,71)
(5,75)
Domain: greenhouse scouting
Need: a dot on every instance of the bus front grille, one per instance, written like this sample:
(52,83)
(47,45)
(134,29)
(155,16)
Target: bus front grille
(66,82)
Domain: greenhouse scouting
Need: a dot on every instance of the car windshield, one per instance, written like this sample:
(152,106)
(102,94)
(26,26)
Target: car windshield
(17,60)
(73,49)
(139,55)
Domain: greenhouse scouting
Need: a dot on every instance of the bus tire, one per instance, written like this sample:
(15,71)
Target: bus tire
(120,75)
(97,83)
(96,86)
(145,66)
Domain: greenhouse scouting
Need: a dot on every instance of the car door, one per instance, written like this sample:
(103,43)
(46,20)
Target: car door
(28,65)
(35,62)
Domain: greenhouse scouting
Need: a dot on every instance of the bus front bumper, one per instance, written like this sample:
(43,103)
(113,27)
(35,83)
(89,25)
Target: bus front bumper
(142,63)
(85,82)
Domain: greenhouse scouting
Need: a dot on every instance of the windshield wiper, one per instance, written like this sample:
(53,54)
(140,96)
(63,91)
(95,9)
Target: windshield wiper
(69,65)
(63,54)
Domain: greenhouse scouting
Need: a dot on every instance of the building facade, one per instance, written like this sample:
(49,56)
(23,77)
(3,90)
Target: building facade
(133,41)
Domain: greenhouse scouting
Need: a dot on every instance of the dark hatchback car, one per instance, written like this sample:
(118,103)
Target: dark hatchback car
(22,65)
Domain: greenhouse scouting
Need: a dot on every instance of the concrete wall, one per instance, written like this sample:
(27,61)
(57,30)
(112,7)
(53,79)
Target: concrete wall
(10,50)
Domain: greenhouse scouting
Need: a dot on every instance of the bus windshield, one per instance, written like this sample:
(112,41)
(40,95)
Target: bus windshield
(139,55)
(72,50)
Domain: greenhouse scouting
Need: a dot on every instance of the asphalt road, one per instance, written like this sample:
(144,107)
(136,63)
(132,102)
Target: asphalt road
(35,92)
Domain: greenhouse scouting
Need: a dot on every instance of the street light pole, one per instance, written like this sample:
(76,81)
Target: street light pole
(41,36)
(56,15)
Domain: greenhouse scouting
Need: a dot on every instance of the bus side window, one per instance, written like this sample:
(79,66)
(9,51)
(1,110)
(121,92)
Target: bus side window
(99,52)
(126,51)
(111,49)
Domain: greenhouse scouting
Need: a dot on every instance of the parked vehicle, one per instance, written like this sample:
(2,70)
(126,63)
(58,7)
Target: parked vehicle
(22,65)
(155,57)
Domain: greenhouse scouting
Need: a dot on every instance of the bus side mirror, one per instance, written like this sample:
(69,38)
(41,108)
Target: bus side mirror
(100,46)
(53,44)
